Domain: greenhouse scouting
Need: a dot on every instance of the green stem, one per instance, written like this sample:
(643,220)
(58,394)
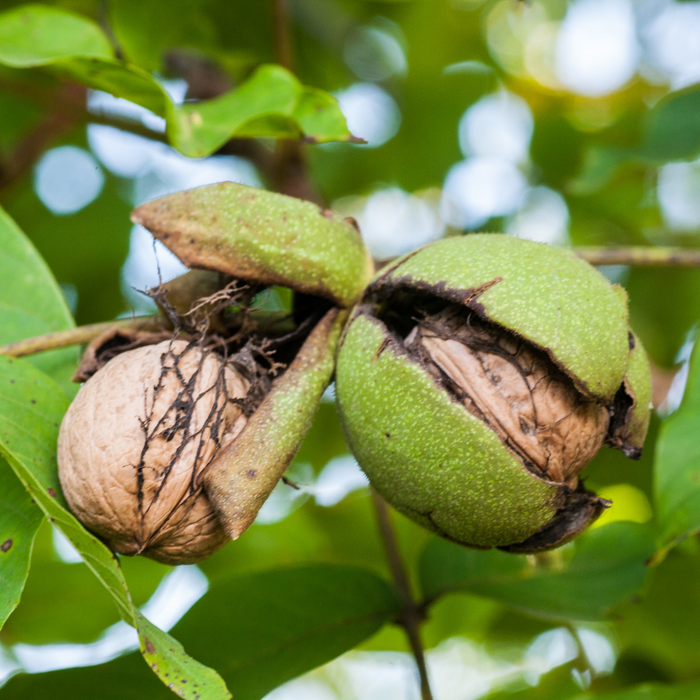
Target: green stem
(411,614)
(640,255)
(72,336)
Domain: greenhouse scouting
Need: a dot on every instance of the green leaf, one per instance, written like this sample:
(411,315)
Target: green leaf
(117,680)
(317,112)
(677,466)
(201,128)
(272,103)
(19,522)
(650,691)
(583,581)
(31,410)
(31,303)
(558,684)
(146,36)
(670,131)
(36,35)
(265,628)
(661,629)
(672,127)
(119,79)
(180,672)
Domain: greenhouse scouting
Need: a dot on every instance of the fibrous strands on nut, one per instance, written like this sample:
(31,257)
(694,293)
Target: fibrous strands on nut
(135,442)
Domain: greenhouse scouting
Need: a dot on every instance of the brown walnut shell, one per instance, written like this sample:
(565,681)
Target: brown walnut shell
(135,442)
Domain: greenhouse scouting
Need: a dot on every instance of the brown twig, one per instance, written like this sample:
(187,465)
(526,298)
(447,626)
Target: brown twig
(411,614)
(72,336)
(288,172)
(283,44)
(640,255)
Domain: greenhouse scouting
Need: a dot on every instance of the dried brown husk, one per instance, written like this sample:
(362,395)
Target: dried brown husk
(136,440)
(515,389)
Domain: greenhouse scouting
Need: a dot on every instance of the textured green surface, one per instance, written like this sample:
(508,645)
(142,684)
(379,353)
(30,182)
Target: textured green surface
(601,569)
(240,479)
(547,295)
(426,454)
(639,379)
(262,236)
(677,465)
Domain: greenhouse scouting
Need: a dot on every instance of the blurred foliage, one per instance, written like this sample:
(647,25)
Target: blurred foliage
(294,594)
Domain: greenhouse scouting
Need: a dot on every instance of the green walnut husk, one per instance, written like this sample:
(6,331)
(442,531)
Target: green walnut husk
(478,376)
(268,238)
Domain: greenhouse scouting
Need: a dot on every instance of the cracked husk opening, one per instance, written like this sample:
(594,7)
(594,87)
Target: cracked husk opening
(515,389)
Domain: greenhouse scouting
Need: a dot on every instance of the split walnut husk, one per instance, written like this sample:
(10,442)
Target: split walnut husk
(476,379)
(515,389)
(136,441)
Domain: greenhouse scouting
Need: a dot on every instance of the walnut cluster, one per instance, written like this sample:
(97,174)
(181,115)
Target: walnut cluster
(135,442)
(515,389)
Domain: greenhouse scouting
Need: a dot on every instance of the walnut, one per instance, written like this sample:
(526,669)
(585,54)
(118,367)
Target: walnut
(516,390)
(135,442)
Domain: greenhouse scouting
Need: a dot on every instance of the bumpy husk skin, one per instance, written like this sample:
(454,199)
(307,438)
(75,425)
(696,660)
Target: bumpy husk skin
(243,475)
(421,448)
(149,501)
(546,295)
(263,237)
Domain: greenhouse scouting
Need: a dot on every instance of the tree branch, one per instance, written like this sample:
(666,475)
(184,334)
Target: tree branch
(411,614)
(72,336)
(640,255)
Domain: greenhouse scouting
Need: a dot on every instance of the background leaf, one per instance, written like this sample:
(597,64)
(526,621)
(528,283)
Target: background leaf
(658,632)
(606,567)
(35,35)
(677,465)
(651,691)
(31,303)
(271,103)
(259,630)
(19,522)
(262,629)
(672,129)
(116,680)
